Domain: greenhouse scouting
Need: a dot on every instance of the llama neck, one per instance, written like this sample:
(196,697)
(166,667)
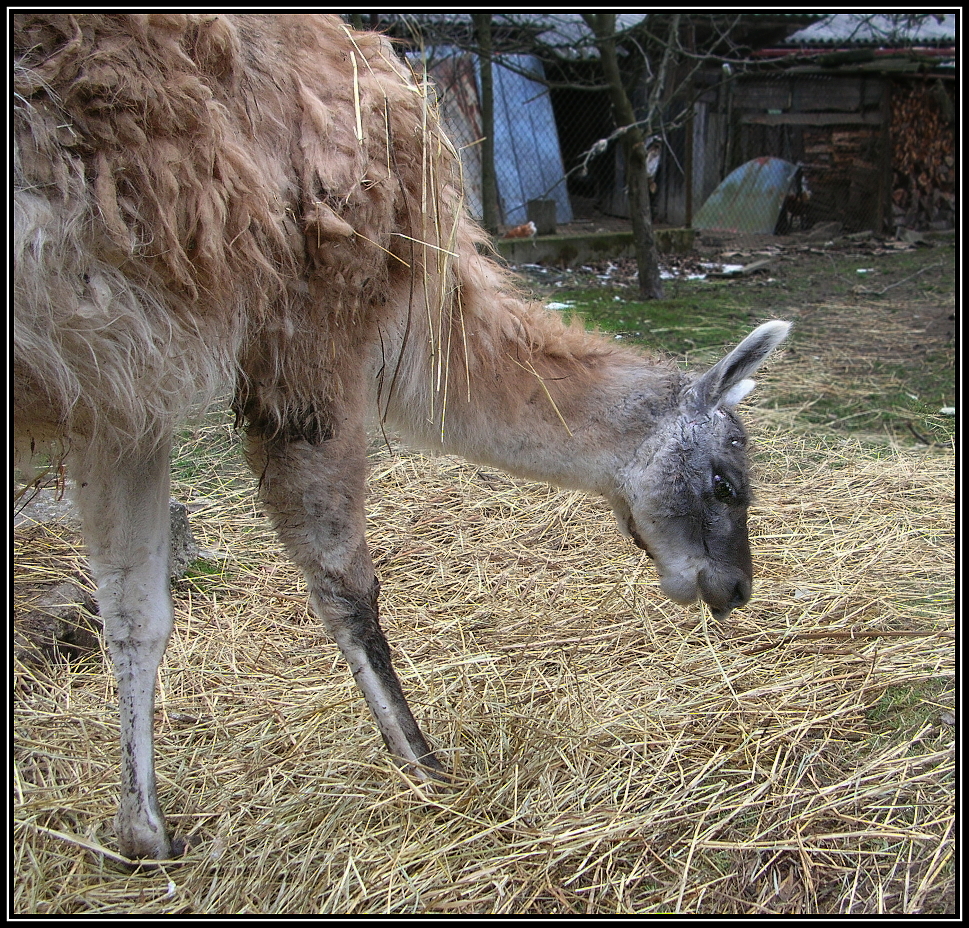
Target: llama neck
(505,383)
(546,420)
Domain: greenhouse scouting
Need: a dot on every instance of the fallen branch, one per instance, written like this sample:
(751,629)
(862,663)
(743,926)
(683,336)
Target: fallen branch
(898,283)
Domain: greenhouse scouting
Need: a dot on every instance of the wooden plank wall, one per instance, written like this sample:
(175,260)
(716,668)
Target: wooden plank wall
(836,126)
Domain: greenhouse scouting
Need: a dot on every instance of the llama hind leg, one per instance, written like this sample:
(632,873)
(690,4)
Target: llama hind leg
(315,495)
(124,512)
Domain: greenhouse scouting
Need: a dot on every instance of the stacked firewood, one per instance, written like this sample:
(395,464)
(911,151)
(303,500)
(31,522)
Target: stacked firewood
(923,157)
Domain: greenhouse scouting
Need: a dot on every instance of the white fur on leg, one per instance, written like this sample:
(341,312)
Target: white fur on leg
(384,701)
(353,623)
(124,507)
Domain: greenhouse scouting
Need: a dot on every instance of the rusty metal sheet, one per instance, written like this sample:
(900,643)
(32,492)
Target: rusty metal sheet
(749,199)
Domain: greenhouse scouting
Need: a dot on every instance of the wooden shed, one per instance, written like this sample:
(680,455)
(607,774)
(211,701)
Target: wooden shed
(860,137)
(864,103)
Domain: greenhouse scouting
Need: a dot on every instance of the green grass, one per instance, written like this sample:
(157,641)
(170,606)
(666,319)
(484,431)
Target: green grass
(679,326)
(895,384)
(911,707)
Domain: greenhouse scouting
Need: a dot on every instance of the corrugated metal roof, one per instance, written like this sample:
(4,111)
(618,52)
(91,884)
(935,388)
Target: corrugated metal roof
(566,33)
(894,30)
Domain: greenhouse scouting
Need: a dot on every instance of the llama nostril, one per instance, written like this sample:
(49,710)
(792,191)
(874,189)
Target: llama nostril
(719,596)
(741,593)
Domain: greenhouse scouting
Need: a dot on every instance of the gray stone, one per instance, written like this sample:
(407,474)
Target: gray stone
(62,621)
(184,548)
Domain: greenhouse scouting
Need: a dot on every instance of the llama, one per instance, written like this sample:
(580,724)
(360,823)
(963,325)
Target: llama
(269,201)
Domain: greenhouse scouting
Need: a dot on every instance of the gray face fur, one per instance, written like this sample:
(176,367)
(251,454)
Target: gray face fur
(684,496)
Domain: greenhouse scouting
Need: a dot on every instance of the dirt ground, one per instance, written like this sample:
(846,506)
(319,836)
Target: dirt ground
(932,321)
(800,252)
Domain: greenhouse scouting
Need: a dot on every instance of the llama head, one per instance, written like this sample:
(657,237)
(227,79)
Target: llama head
(683,496)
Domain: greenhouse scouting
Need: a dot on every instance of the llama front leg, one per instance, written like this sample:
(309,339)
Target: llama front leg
(353,622)
(124,512)
(315,496)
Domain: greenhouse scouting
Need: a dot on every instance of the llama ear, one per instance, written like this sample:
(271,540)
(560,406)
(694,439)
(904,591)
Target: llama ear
(727,382)
(737,392)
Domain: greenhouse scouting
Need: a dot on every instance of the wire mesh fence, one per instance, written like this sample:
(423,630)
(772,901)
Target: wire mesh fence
(528,144)
(767,151)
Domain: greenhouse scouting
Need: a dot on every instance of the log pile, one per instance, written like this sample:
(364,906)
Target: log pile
(841,167)
(923,157)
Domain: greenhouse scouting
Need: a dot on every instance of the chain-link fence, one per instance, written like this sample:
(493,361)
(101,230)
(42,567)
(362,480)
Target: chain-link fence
(758,151)
(527,141)
(872,152)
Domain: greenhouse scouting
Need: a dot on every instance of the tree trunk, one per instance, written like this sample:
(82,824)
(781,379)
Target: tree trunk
(489,183)
(603,26)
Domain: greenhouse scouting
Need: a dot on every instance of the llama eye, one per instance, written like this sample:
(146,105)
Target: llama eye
(722,490)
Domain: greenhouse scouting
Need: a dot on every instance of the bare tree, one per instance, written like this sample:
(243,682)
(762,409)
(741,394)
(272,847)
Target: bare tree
(489,181)
(603,26)
(655,53)
(651,56)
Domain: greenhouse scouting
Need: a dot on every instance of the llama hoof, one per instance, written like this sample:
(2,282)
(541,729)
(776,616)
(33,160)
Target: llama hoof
(182,847)
(430,775)
(180,850)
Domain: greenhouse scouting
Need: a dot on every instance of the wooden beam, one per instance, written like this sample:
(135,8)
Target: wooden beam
(873,118)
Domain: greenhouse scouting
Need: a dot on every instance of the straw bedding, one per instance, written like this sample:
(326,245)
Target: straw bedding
(613,752)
